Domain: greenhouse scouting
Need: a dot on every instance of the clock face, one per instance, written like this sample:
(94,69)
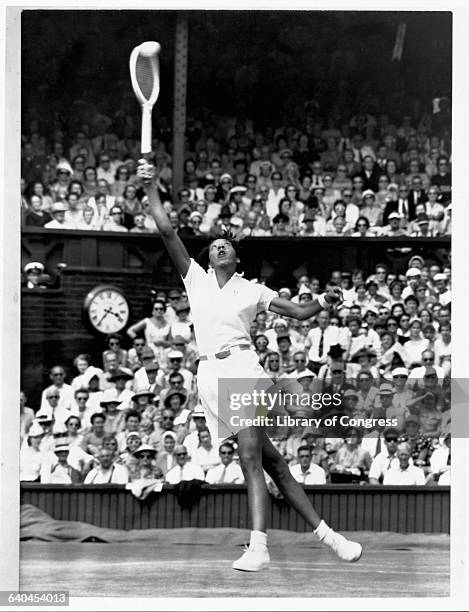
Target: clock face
(107,309)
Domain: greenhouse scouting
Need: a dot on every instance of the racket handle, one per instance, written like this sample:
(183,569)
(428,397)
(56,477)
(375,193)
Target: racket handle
(145,145)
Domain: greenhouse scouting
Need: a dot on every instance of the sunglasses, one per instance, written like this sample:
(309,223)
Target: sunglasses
(400,376)
(58,374)
(180,454)
(81,399)
(168,418)
(114,343)
(54,396)
(146,455)
(226,452)
(362,225)
(391,439)
(427,359)
(158,309)
(300,360)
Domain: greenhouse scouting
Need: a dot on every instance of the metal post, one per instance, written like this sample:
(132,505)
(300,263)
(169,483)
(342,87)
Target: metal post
(180,94)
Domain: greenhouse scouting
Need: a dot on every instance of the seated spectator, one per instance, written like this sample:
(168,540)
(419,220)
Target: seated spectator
(93,440)
(389,410)
(57,377)
(440,462)
(386,459)
(147,467)
(127,457)
(205,454)
(404,473)
(31,457)
(166,460)
(363,228)
(58,218)
(394,228)
(350,458)
(227,472)
(107,470)
(26,416)
(114,345)
(60,471)
(36,216)
(306,471)
(281,225)
(183,470)
(115,222)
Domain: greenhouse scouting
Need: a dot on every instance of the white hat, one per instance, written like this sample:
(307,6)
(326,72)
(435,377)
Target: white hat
(236,221)
(175,355)
(440,276)
(400,372)
(368,192)
(61,447)
(90,373)
(413,272)
(280,321)
(285,290)
(64,166)
(238,189)
(35,430)
(395,215)
(59,207)
(145,448)
(110,396)
(305,374)
(142,391)
(304,289)
(198,411)
(225,177)
(195,214)
(34,265)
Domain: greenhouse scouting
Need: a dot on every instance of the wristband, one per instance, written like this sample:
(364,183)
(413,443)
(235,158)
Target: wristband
(323,302)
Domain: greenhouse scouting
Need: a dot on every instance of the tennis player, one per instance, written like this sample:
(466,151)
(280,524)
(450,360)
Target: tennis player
(223,305)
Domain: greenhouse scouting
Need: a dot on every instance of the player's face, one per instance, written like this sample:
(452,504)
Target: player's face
(222,254)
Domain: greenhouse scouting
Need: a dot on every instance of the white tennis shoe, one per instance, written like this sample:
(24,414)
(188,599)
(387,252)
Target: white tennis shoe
(345,549)
(254,559)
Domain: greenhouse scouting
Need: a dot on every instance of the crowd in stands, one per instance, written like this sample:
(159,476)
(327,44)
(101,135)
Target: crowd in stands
(135,414)
(362,175)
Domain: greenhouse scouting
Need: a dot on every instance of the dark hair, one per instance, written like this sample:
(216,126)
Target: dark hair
(96,415)
(280,217)
(362,219)
(303,448)
(203,256)
(349,431)
(159,302)
(226,445)
(132,413)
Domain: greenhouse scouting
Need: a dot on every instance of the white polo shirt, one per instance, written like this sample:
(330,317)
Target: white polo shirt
(187,472)
(411,476)
(231,474)
(314,475)
(222,317)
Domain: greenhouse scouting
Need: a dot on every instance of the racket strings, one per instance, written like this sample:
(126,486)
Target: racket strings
(144,75)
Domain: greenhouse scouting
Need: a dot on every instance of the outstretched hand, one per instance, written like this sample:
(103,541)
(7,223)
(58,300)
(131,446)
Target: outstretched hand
(334,296)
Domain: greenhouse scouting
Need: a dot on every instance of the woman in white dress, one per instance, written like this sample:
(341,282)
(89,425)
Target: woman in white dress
(156,329)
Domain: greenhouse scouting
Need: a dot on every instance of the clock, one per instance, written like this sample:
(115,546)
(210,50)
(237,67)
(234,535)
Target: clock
(107,309)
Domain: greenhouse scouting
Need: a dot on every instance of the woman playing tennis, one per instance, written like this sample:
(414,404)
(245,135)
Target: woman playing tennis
(223,305)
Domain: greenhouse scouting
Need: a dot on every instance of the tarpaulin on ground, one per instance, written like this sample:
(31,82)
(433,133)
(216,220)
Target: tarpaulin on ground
(37,525)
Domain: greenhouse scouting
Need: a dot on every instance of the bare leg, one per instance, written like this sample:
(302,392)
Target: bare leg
(250,448)
(277,468)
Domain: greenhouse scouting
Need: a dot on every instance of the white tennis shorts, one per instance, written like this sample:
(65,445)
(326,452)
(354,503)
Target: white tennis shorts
(220,381)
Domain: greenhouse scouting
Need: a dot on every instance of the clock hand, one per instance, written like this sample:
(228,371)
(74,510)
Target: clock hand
(106,312)
(116,314)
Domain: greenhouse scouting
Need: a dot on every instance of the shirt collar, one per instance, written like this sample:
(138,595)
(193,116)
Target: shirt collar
(211,271)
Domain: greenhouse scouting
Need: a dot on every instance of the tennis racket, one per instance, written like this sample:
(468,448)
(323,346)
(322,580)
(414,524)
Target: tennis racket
(145,77)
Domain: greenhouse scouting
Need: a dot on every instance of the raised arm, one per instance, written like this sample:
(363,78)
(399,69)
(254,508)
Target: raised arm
(286,308)
(174,245)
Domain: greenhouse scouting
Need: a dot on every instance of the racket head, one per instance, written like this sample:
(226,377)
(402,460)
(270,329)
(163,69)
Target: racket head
(145,75)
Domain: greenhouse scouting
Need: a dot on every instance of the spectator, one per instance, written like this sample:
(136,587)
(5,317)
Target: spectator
(351,459)
(31,457)
(107,470)
(93,440)
(26,416)
(166,459)
(115,223)
(205,454)
(60,471)
(183,470)
(319,340)
(147,467)
(440,462)
(305,471)
(36,216)
(155,328)
(58,218)
(386,459)
(404,473)
(227,472)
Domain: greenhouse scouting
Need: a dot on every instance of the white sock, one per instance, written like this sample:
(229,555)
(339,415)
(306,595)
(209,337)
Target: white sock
(258,537)
(322,531)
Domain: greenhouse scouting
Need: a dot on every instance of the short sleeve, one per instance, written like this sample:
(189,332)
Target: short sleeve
(265,298)
(195,273)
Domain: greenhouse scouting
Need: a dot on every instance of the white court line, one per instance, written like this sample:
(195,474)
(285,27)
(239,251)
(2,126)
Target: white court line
(283,565)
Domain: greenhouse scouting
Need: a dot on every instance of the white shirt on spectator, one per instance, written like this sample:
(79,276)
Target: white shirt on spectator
(230,474)
(314,475)
(189,471)
(116,474)
(412,475)
(439,459)
(382,463)
(273,200)
(205,458)
(54,224)
(331,337)
(66,399)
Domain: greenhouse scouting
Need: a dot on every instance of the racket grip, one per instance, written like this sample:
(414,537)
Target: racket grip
(145,144)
